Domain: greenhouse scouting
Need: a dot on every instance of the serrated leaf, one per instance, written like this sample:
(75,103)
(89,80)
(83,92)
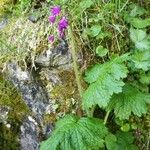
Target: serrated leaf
(101,51)
(105,79)
(85,4)
(140,23)
(139,37)
(141,56)
(120,141)
(131,100)
(141,60)
(73,133)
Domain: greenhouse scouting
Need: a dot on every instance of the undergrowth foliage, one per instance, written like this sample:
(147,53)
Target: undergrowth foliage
(111,84)
(111,81)
(77,133)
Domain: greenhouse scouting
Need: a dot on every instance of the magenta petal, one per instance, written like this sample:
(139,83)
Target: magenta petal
(56,10)
(51,38)
(63,23)
(52,19)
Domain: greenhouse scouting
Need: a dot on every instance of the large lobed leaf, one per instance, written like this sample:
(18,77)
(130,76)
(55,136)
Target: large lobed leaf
(72,133)
(105,79)
(131,100)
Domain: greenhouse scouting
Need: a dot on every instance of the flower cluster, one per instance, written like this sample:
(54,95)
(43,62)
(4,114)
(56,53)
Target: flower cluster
(61,25)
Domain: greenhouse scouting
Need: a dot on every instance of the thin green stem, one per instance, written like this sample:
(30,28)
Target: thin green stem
(106,117)
(124,5)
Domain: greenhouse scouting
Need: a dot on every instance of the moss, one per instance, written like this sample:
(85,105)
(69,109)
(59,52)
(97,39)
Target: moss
(9,96)
(29,39)
(66,90)
(8,137)
(5,6)
(50,118)
(64,95)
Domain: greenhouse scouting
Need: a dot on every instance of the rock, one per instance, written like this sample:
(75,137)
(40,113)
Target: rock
(3,23)
(33,94)
(36,98)
(33,18)
(37,95)
(29,135)
(57,57)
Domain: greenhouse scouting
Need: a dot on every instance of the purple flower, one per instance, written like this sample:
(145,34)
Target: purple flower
(51,38)
(63,24)
(56,10)
(62,34)
(52,19)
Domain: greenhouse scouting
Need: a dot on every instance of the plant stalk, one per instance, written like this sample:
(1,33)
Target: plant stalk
(75,65)
(106,117)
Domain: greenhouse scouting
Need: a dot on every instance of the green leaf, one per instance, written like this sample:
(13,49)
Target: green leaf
(125,127)
(120,141)
(73,133)
(103,35)
(141,60)
(131,100)
(145,78)
(110,141)
(105,79)
(86,4)
(125,141)
(141,56)
(139,37)
(101,51)
(136,10)
(95,30)
(140,23)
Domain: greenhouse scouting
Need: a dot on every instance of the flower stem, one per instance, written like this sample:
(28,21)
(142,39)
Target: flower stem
(75,65)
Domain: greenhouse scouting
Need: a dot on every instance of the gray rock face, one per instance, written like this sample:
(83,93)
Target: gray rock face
(33,128)
(33,95)
(36,99)
(3,23)
(57,57)
(29,135)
